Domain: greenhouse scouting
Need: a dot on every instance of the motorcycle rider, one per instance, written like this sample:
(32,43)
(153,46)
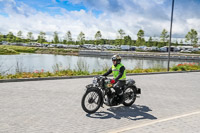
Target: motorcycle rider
(119,75)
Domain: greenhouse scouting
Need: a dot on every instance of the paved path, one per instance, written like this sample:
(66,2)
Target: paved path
(169,103)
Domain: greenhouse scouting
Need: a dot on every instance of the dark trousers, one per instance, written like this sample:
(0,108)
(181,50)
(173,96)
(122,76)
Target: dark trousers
(119,85)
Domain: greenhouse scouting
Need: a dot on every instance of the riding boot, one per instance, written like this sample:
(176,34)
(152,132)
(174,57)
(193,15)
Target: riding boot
(112,96)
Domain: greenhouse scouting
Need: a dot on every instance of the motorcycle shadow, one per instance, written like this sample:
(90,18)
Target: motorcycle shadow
(134,112)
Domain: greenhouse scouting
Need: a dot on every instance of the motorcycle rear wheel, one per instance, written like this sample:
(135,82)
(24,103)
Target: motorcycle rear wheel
(91,101)
(129,95)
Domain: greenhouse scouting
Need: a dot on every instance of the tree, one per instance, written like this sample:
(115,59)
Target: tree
(150,41)
(181,42)
(64,41)
(127,40)
(41,37)
(10,37)
(192,36)
(164,36)
(98,37)
(176,43)
(56,38)
(102,41)
(81,38)
(140,39)
(68,38)
(1,37)
(30,36)
(19,34)
(121,35)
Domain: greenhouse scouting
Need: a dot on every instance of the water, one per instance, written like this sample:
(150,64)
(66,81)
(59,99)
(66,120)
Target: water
(33,62)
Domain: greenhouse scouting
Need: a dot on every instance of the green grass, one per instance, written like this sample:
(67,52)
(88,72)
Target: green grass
(9,49)
(57,51)
(196,52)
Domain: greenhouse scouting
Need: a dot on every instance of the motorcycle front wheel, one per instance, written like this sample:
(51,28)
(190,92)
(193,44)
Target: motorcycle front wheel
(91,101)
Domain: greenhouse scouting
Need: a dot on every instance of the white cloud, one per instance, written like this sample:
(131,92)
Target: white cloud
(144,16)
(54,1)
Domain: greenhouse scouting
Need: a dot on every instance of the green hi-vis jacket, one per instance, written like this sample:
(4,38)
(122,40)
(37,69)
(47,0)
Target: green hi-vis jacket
(115,71)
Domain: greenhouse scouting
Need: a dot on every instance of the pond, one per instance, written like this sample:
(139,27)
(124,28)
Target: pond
(48,62)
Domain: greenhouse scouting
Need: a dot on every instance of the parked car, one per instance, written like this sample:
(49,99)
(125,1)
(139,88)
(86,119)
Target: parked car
(195,49)
(155,48)
(125,47)
(4,43)
(186,51)
(133,48)
(60,45)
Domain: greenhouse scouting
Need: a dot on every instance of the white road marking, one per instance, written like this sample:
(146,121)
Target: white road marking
(153,122)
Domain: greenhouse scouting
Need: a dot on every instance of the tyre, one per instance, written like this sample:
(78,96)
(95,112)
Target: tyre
(129,96)
(91,101)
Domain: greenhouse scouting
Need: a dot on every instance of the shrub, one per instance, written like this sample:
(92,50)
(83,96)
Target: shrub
(186,67)
(18,49)
(4,50)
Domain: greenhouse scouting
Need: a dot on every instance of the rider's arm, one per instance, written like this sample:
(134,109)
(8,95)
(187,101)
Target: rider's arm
(121,71)
(108,72)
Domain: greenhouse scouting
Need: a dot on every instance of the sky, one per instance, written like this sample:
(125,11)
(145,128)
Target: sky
(107,16)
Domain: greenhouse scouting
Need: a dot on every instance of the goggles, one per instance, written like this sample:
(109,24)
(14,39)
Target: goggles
(114,59)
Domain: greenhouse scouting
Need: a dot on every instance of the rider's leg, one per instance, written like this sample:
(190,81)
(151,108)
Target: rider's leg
(118,87)
(118,90)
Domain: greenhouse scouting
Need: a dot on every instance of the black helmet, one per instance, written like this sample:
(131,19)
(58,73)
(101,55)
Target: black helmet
(116,58)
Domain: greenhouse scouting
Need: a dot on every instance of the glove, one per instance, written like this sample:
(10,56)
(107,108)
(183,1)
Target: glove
(112,81)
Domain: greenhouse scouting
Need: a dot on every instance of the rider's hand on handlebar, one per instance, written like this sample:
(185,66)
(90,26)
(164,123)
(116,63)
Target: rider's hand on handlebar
(112,81)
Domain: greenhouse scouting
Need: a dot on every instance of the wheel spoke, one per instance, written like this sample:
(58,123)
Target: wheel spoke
(129,95)
(92,100)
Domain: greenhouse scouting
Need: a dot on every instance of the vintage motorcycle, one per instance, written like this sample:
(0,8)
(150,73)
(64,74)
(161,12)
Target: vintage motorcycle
(101,92)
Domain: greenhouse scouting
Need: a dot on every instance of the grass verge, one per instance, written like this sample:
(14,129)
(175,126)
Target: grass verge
(81,72)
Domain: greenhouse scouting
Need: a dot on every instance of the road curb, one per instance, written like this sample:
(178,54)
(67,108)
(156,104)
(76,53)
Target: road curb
(89,76)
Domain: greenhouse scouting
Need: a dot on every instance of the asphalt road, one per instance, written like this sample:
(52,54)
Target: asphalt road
(168,103)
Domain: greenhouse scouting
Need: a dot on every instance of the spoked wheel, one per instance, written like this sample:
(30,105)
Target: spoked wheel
(130,96)
(91,101)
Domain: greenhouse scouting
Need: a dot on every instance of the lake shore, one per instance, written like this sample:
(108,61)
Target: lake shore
(12,50)
(84,72)
(134,54)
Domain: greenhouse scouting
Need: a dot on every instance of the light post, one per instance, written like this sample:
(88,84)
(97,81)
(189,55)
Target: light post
(170,36)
